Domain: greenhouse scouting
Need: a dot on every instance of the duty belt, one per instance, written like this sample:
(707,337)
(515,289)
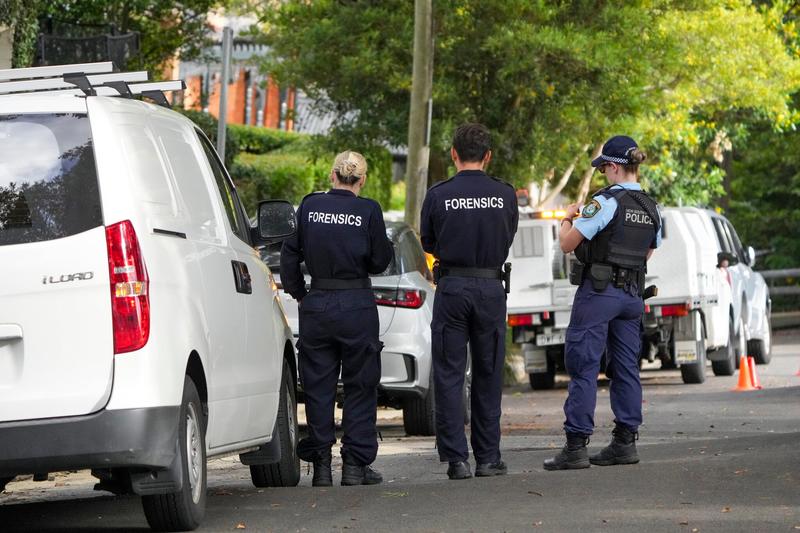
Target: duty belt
(331,284)
(469,272)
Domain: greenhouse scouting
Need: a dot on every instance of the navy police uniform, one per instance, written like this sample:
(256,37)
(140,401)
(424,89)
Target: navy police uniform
(342,239)
(620,225)
(468,224)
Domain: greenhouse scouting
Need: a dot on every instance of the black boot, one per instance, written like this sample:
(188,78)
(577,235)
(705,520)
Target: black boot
(621,451)
(491,469)
(322,470)
(459,470)
(354,474)
(573,455)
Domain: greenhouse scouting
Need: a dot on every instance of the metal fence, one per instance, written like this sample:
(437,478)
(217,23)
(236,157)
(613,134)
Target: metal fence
(782,282)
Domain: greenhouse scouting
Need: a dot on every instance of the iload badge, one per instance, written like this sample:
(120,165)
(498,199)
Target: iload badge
(590,209)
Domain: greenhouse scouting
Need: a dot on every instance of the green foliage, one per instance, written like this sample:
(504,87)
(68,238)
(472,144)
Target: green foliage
(257,140)
(22,16)
(547,77)
(166,28)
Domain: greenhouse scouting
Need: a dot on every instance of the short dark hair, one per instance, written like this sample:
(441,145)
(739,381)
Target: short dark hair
(472,141)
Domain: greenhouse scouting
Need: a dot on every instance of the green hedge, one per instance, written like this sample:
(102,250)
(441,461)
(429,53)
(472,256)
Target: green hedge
(258,140)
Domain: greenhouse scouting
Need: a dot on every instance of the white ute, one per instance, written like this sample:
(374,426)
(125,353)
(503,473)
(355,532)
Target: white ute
(140,333)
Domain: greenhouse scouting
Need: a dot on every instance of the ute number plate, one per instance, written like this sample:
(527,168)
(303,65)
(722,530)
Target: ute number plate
(550,338)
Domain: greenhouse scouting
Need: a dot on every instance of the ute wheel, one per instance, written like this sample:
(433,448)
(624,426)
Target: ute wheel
(761,349)
(727,366)
(544,380)
(419,414)
(696,372)
(184,510)
(285,473)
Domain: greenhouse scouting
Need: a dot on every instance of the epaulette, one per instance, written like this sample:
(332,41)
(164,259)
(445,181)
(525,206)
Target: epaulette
(504,182)
(440,183)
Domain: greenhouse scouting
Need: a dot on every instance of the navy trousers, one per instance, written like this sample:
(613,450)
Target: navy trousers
(468,310)
(607,321)
(339,331)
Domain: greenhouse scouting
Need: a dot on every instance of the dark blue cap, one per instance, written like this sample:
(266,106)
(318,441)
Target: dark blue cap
(616,150)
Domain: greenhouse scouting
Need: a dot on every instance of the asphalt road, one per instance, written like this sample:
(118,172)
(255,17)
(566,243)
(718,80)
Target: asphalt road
(712,460)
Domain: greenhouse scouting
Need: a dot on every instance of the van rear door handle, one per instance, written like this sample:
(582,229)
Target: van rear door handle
(241,276)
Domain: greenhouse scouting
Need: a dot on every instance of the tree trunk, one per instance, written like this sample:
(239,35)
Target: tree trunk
(418,120)
(586,179)
(564,177)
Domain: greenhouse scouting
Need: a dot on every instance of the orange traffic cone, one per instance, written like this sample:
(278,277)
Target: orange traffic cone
(751,362)
(745,383)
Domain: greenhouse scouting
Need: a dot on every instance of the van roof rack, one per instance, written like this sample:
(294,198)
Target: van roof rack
(85,79)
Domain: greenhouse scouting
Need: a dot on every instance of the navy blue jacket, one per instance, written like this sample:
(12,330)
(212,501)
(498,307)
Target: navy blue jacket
(470,220)
(339,236)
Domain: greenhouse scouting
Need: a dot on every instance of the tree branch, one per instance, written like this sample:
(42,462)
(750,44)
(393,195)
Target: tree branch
(564,177)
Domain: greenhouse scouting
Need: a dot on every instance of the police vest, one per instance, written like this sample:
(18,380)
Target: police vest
(627,239)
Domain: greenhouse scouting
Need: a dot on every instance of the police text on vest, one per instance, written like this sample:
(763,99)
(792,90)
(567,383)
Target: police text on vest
(637,217)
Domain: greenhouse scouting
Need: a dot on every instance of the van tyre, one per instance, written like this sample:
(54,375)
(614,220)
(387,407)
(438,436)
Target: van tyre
(419,414)
(761,349)
(184,510)
(696,372)
(727,366)
(285,473)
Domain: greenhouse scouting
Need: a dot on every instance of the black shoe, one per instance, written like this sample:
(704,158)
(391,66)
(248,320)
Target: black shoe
(621,451)
(459,470)
(359,475)
(491,469)
(322,470)
(572,456)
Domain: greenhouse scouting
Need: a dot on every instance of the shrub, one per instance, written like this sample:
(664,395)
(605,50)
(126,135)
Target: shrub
(259,140)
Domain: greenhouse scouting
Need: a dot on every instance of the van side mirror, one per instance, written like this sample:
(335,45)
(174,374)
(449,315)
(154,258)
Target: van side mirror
(725,257)
(751,257)
(275,222)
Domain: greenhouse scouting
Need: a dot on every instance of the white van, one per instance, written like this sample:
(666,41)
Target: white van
(540,301)
(140,333)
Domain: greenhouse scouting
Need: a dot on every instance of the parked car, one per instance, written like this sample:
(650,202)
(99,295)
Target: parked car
(404,294)
(140,333)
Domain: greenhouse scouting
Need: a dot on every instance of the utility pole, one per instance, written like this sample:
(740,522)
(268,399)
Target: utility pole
(227,45)
(420,113)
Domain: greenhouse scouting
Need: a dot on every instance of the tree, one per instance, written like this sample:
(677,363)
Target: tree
(547,78)
(166,28)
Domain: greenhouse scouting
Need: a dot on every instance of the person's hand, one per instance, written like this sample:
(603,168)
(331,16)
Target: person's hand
(572,211)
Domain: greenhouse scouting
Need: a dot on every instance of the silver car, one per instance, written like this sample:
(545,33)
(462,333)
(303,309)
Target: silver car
(404,294)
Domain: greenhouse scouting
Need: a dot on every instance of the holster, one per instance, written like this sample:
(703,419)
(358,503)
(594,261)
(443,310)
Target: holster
(507,277)
(600,275)
(437,272)
(576,272)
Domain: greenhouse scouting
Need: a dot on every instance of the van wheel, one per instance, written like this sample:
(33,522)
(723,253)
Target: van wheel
(419,414)
(5,481)
(285,473)
(761,349)
(696,372)
(727,366)
(184,510)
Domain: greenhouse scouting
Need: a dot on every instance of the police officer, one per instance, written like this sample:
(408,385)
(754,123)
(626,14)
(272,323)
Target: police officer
(615,235)
(342,239)
(468,224)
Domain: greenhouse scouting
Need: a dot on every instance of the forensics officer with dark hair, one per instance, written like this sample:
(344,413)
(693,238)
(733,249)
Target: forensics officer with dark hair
(614,236)
(468,224)
(342,240)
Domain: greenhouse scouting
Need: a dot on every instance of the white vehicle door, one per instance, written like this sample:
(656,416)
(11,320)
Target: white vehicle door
(259,365)
(222,310)
(738,271)
(532,267)
(56,332)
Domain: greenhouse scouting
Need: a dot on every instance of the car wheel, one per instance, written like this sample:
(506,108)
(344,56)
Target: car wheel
(761,349)
(696,372)
(544,380)
(285,473)
(419,414)
(184,510)
(727,366)
(5,481)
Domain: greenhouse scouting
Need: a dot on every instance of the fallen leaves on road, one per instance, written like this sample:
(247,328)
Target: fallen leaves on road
(395,494)
(740,471)
(537,524)
(684,522)
(241,525)
(223,493)
(536,493)
(726,509)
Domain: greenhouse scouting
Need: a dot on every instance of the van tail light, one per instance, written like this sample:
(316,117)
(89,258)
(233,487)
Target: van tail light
(675,310)
(409,298)
(520,320)
(130,300)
